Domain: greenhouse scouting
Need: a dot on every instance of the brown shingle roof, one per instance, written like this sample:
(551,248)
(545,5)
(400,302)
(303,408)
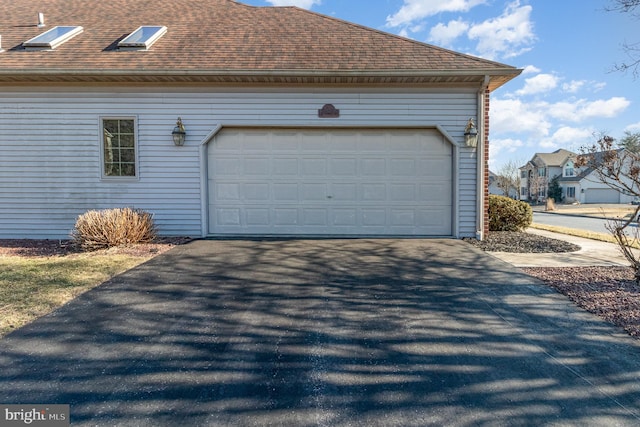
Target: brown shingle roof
(213,40)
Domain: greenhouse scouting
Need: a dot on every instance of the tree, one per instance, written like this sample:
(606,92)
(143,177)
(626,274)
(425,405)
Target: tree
(619,169)
(631,49)
(508,177)
(631,141)
(555,191)
(537,186)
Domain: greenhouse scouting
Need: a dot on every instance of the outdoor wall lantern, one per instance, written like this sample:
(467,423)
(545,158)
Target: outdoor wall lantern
(471,134)
(178,133)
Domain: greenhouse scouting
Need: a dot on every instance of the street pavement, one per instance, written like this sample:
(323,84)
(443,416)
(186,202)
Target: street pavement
(597,225)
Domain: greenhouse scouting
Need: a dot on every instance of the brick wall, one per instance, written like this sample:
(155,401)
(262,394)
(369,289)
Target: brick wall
(485,212)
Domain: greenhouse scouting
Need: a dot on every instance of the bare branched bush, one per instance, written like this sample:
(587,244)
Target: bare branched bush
(626,236)
(619,168)
(113,227)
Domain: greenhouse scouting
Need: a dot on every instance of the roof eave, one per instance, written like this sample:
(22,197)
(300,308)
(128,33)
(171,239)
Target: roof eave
(497,77)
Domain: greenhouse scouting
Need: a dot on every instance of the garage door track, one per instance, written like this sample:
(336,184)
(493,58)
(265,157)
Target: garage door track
(325,333)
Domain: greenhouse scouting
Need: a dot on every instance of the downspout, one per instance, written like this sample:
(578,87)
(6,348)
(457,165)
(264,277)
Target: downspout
(482,149)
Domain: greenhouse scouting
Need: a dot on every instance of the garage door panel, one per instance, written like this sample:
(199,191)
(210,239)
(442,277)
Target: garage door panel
(285,192)
(402,167)
(343,167)
(314,192)
(373,167)
(374,217)
(315,217)
(371,142)
(402,192)
(228,216)
(374,192)
(228,191)
(402,217)
(256,192)
(227,166)
(285,216)
(257,217)
(338,181)
(314,167)
(344,217)
(344,192)
(285,167)
(257,167)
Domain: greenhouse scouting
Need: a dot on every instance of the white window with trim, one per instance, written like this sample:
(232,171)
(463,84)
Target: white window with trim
(571,192)
(569,169)
(119,147)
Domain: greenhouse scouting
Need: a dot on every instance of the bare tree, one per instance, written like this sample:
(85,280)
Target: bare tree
(537,186)
(619,169)
(632,49)
(508,177)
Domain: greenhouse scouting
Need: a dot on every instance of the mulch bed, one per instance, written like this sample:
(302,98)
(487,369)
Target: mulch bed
(609,292)
(518,242)
(51,248)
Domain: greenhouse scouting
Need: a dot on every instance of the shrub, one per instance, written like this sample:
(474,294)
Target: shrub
(506,214)
(113,227)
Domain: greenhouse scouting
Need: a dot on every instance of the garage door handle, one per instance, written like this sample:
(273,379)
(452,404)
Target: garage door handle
(329,197)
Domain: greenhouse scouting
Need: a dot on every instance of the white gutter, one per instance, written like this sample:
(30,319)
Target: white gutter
(482,149)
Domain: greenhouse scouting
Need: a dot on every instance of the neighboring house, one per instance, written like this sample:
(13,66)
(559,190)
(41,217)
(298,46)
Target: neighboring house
(495,189)
(296,123)
(579,184)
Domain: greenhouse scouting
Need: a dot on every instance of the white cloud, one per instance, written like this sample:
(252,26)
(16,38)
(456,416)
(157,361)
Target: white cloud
(567,136)
(414,10)
(635,127)
(305,4)
(539,84)
(445,34)
(573,86)
(537,119)
(508,35)
(507,145)
(582,109)
(531,69)
(597,87)
(513,115)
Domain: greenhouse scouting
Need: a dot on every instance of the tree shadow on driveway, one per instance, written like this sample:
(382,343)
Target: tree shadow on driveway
(324,333)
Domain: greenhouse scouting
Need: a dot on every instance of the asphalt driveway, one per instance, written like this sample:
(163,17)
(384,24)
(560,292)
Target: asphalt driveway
(325,333)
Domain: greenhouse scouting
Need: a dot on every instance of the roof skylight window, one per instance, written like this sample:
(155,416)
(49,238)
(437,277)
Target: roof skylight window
(53,38)
(143,37)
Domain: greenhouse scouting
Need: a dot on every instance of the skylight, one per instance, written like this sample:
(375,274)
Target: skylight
(53,38)
(143,37)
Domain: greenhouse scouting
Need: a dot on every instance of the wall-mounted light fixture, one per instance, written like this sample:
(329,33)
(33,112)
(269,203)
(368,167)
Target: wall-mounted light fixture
(178,133)
(471,134)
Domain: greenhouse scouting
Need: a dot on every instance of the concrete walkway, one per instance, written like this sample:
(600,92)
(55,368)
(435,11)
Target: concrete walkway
(325,333)
(592,253)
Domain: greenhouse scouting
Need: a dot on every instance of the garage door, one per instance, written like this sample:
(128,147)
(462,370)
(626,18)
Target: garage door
(330,182)
(601,195)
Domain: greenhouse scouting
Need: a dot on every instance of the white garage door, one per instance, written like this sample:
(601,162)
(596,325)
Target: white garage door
(330,182)
(601,195)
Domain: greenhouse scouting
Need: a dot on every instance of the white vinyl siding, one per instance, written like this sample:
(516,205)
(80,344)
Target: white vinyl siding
(50,161)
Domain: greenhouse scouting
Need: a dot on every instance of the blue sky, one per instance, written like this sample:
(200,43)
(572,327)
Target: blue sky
(567,49)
